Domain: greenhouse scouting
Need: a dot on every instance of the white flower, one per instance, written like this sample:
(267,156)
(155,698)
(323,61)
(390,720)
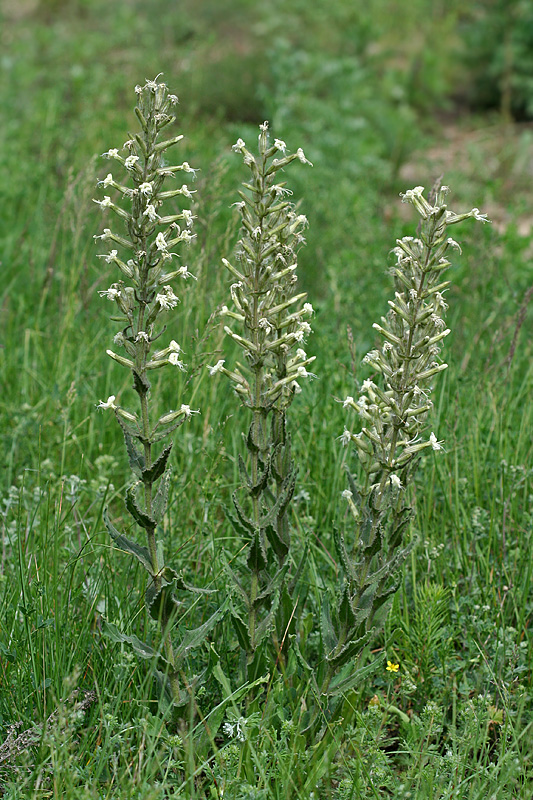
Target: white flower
(434,443)
(186,192)
(301,156)
(119,339)
(305,328)
(303,373)
(110,402)
(167,300)
(412,193)
(347,494)
(346,437)
(183,272)
(174,347)
(105,203)
(452,243)
(280,145)
(113,153)
(151,213)
(130,162)
(239,146)
(348,402)
(217,368)
(112,293)
(395,481)
(188,216)
(108,181)
(174,359)
(480,217)
(308,308)
(187,410)
(146,189)
(173,99)
(142,336)
(160,242)
(280,190)
(367,384)
(186,167)
(187,236)
(108,257)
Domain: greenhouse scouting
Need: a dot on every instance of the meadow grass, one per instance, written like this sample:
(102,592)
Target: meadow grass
(456,719)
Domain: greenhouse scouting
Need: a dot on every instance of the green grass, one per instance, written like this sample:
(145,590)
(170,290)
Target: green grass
(342,87)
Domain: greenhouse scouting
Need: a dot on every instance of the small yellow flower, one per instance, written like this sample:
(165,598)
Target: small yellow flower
(392,667)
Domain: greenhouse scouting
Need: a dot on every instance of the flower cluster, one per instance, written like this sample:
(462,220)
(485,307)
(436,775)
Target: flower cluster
(392,405)
(151,236)
(394,408)
(269,322)
(146,256)
(272,318)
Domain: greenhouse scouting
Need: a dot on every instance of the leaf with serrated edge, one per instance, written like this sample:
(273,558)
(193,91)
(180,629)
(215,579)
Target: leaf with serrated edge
(145,521)
(137,550)
(341,685)
(326,628)
(135,457)
(160,501)
(140,648)
(151,474)
(196,637)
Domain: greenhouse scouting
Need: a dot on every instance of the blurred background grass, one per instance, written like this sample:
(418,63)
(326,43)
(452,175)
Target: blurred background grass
(382,96)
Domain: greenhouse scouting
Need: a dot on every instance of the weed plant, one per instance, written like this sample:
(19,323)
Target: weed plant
(451,717)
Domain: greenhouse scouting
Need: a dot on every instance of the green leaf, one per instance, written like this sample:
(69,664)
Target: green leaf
(161,603)
(143,519)
(259,487)
(151,474)
(251,444)
(351,650)
(257,556)
(131,430)
(346,614)
(341,685)
(278,544)
(140,648)
(245,522)
(282,501)
(157,437)
(141,553)
(135,456)
(245,478)
(196,637)
(241,630)
(237,584)
(160,501)
(327,631)
(344,558)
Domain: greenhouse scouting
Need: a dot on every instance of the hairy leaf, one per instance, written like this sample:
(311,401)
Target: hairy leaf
(137,550)
(143,519)
(196,637)
(140,648)
(160,501)
(151,474)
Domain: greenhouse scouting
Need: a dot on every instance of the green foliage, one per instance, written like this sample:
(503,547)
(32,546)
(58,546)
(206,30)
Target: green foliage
(357,85)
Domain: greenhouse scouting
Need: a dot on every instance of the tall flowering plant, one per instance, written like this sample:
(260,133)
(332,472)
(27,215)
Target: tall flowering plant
(268,320)
(392,406)
(146,254)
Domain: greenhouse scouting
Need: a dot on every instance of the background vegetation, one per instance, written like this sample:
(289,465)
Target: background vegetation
(382,96)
